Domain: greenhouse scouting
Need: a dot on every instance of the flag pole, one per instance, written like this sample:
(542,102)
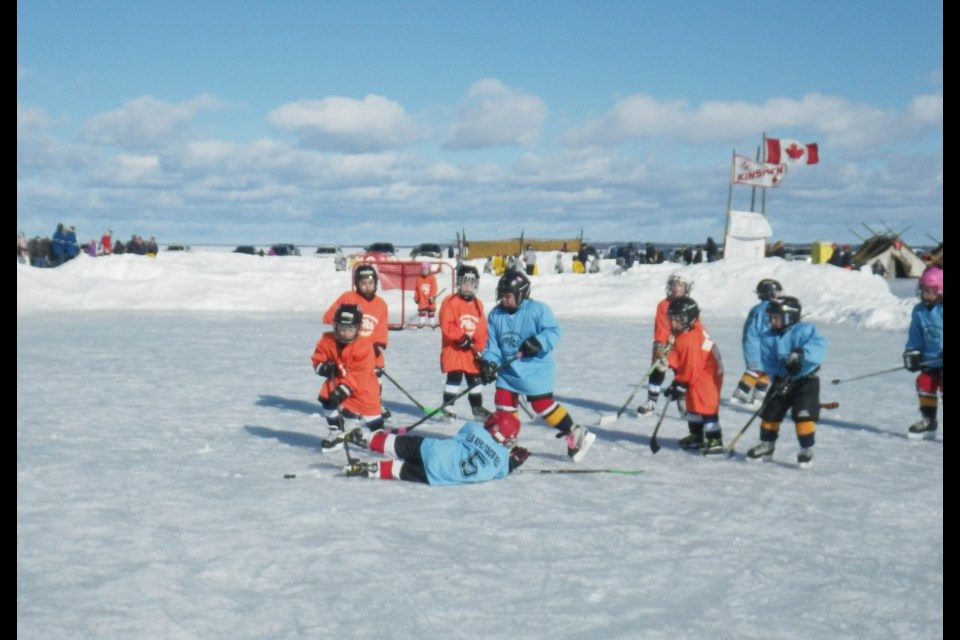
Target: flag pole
(733,166)
(763,200)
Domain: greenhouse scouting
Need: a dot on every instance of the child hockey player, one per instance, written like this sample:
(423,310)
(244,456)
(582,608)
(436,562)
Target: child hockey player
(697,379)
(518,325)
(678,285)
(464,328)
(753,384)
(374,327)
(425,296)
(476,454)
(351,389)
(924,351)
(793,356)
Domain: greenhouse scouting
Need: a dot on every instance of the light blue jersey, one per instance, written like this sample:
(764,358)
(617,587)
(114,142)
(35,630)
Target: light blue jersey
(757,324)
(470,456)
(926,333)
(528,376)
(799,336)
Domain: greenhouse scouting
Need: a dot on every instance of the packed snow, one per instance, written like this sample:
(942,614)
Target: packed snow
(161,403)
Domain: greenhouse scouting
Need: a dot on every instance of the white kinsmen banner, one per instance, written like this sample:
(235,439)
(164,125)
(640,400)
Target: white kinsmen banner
(756,174)
(747,235)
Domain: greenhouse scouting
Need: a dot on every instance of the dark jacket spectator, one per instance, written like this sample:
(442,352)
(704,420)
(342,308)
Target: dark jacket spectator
(712,250)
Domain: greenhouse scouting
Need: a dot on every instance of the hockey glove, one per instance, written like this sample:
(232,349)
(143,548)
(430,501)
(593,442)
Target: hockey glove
(488,372)
(518,455)
(465,342)
(676,391)
(432,300)
(327,369)
(379,349)
(661,365)
(530,347)
(378,371)
(911,360)
(340,394)
(794,363)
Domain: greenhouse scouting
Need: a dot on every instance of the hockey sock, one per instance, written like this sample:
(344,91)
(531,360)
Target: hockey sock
(769,431)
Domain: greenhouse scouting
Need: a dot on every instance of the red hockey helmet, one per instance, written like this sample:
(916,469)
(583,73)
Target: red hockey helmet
(504,427)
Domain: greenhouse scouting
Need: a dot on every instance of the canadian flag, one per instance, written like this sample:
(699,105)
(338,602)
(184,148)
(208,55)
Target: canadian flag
(791,152)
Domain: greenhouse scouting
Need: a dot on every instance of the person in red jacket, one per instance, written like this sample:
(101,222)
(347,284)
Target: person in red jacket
(351,389)
(375,314)
(463,324)
(678,285)
(697,377)
(425,295)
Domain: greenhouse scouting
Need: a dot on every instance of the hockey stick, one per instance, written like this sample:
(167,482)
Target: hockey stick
(781,388)
(928,363)
(619,472)
(447,403)
(404,391)
(654,445)
(607,420)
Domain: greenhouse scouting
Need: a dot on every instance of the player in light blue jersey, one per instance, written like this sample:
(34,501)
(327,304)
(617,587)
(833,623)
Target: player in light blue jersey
(476,454)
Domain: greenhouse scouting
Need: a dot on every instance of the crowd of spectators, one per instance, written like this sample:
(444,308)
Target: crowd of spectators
(63,246)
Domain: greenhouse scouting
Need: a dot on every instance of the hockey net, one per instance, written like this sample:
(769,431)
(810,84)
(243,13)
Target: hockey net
(398,281)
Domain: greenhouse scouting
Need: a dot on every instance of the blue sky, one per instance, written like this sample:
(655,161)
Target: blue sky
(353,122)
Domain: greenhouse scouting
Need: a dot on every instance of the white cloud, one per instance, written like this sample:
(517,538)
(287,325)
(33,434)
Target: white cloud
(493,115)
(145,123)
(830,120)
(344,124)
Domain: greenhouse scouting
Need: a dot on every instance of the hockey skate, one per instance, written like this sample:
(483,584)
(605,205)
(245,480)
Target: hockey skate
(763,451)
(805,457)
(481,413)
(362,470)
(333,442)
(356,437)
(692,441)
(579,441)
(712,446)
(649,406)
(924,429)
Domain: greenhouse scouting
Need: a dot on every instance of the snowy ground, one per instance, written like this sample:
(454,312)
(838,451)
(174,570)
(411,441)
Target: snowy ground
(161,402)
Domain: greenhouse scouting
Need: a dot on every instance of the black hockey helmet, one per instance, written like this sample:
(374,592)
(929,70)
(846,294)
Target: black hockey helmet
(684,309)
(362,272)
(768,289)
(468,280)
(788,308)
(515,282)
(346,323)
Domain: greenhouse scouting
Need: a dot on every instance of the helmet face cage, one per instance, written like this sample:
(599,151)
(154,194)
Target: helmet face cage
(504,427)
(787,308)
(468,279)
(685,310)
(679,278)
(516,283)
(768,289)
(346,323)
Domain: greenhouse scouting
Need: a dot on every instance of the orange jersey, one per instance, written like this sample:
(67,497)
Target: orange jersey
(661,327)
(425,288)
(695,361)
(356,364)
(459,318)
(374,326)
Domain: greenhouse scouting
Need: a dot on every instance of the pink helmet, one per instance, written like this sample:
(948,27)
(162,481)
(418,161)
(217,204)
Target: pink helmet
(424,268)
(932,278)
(504,427)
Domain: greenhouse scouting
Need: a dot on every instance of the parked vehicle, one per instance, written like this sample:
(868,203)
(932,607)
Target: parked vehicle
(332,252)
(284,250)
(381,247)
(246,249)
(178,247)
(427,250)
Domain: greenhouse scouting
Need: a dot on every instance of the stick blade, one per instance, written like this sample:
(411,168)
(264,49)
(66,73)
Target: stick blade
(654,446)
(608,420)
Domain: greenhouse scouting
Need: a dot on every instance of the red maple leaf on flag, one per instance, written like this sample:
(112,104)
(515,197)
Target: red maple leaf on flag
(795,151)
